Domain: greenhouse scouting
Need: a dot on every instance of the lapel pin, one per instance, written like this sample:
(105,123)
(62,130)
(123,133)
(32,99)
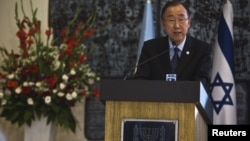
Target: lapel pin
(187,52)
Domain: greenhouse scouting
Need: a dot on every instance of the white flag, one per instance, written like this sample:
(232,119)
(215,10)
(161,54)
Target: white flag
(223,92)
(147,30)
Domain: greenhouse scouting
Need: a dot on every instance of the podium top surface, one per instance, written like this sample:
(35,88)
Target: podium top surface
(152,90)
(157,91)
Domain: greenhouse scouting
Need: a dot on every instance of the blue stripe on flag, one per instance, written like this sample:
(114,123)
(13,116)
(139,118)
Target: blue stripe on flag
(225,41)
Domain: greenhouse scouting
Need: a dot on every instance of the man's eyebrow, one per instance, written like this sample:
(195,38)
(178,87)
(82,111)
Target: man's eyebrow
(180,15)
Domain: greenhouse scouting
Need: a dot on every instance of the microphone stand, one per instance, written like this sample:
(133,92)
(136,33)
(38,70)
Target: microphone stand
(145,61)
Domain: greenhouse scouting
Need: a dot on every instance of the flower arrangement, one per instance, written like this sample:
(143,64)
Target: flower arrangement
(43,79)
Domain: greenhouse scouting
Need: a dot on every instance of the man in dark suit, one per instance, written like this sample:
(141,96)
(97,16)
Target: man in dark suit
(194,56)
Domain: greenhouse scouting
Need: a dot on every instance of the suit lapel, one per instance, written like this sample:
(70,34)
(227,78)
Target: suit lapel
(165,59)
(186,55)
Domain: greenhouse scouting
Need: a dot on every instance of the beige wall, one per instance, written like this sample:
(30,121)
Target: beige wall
(8,27)
(9,40)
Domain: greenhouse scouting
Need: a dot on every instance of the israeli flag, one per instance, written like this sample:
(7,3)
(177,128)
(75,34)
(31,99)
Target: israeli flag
(223,92)
(147,29)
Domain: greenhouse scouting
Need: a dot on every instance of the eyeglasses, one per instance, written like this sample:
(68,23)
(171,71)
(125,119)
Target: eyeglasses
(172,21)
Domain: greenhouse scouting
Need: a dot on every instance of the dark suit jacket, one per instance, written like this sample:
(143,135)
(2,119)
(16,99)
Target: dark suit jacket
(194,64)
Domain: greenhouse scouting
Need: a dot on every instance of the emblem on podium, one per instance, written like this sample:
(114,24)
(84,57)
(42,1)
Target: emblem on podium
(149,130)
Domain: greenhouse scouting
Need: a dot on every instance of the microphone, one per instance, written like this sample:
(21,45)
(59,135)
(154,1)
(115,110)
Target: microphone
(143,62)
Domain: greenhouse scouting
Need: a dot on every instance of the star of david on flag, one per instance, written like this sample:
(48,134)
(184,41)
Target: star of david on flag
(226,89)
(223,92)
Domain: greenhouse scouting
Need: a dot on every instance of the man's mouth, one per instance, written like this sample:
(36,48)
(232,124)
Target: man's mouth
(177,32)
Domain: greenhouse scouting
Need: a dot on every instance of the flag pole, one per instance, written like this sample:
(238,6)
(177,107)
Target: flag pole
(147,28)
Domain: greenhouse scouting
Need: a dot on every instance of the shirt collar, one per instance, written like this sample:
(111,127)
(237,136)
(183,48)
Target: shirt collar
(180,46)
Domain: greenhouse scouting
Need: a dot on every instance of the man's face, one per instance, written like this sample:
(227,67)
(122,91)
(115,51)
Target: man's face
(176,23)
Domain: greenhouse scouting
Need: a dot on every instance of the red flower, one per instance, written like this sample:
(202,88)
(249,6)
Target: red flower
(96,93)
(12,84)
(21,34)
(2,76)
(33,68)
(71,43)
(25,71)
(88,33)
(48,32)
(52,80)
(30,41)
(83,58)
(26,90)
(33,31)
(30,69)
(82,93)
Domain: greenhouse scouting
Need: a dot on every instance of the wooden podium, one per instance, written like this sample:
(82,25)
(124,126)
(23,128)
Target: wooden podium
(184,101)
